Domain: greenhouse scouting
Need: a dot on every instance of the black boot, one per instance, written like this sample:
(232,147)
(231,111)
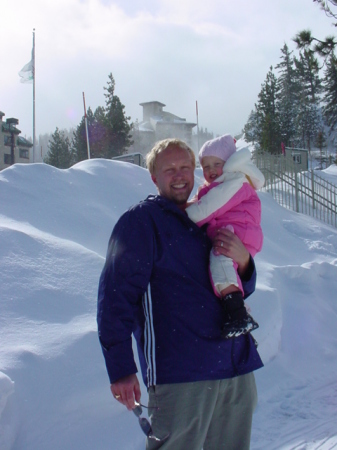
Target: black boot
(238,321)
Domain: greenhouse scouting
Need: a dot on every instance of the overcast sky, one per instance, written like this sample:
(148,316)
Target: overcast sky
(174,51)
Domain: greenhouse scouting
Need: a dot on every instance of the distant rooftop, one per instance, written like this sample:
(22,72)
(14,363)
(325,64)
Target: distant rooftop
(23,141)
(154,102)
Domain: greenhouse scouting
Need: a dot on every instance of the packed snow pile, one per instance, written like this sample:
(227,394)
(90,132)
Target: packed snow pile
(54,391)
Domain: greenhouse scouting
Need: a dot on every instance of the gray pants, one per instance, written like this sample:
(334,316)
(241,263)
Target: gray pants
(208,415)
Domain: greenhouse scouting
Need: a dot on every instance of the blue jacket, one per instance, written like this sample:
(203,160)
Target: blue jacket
(155,284)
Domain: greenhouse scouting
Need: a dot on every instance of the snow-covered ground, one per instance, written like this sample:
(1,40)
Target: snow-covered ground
(330,174)
(54,391)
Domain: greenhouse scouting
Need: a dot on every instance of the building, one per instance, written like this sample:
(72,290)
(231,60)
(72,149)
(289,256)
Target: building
(13,148)
(133,158)
(157,125)
(299,157)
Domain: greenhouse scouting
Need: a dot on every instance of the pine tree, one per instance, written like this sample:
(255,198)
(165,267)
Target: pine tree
(59,154)
(99,135)
(251,129)
(79,141)
(308,98)
(321,143)
(305,41)
(108,129)
(117,123)
(329,11)
(287,97)
(268,134)
(330,93)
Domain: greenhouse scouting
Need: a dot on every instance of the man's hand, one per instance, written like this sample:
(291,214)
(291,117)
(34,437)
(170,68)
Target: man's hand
(228,244)
(127,390)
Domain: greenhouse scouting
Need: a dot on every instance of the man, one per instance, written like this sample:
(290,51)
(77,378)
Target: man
(155,284)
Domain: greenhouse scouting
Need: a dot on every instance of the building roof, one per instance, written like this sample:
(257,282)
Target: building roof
(9,128)
(149,103)
(23,141)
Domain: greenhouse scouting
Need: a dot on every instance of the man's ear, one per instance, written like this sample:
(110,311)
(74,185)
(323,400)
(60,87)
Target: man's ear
(154,179)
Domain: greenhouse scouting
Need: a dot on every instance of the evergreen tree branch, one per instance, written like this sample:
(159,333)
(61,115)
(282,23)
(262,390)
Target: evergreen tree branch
(324,4)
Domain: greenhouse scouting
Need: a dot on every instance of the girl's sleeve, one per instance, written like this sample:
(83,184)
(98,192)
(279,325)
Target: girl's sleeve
(218,201)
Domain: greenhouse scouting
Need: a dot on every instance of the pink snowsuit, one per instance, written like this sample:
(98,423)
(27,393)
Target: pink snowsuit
(231,201)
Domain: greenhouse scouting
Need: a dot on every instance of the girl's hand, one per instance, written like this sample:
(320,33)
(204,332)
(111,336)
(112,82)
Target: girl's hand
(228,244)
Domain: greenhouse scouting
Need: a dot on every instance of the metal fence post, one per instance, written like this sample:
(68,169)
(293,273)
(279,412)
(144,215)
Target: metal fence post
(296,192)
(313,188)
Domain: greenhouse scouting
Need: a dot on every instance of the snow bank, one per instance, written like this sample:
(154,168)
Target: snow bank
(6,423)
(54,229)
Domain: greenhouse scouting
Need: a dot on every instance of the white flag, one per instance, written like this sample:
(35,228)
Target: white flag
(27,72)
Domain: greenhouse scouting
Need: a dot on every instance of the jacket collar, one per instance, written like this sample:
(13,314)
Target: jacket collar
(164,203)
(168,205)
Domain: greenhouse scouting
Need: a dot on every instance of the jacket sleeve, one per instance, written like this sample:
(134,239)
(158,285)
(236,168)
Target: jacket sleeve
(218,200)
(248,279)
(123,281)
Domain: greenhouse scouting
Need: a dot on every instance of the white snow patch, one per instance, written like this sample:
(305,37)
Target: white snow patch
(54,229)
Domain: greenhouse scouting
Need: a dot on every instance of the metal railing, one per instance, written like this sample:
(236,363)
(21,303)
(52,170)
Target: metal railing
(301,191)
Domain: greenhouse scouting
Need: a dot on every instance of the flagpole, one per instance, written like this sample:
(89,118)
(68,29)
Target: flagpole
(86,126)
(196,107)
(34,137)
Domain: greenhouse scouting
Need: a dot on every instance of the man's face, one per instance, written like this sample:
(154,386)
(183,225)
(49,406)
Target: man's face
(174,175)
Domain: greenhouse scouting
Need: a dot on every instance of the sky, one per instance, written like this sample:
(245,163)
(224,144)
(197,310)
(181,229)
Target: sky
(54,389)
(176,52)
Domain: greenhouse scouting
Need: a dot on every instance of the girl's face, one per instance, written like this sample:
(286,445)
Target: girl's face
(212,167)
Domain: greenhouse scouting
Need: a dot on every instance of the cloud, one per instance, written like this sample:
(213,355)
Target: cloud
(173,51)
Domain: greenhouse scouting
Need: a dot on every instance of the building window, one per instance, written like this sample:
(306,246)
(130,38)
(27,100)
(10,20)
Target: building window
(24,153)
(7,140)
(7,158)
(297,158)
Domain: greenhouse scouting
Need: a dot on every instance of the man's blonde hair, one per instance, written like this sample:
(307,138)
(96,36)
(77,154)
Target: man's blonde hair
(160,146)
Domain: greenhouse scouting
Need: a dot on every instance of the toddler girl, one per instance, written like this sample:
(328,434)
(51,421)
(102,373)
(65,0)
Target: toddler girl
(228,199)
